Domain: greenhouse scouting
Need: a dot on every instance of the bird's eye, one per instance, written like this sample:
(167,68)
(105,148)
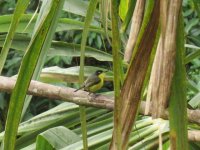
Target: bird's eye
(99,72)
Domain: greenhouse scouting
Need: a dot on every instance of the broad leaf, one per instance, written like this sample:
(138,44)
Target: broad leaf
(56,138)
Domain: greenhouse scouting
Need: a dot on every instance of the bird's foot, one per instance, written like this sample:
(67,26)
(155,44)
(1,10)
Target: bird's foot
(93,96)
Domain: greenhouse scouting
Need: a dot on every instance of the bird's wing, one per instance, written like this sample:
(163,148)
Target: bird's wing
(92,80)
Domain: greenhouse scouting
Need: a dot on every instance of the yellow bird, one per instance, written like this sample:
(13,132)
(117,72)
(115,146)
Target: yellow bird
(94,82)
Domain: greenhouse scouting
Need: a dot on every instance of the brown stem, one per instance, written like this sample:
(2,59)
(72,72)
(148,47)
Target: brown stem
(135,28)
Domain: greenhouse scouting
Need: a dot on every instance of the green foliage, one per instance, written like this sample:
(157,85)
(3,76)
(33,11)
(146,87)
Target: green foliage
(44,117)
(88,19)
(192,59)
(7,6)
(19,92)
(56,138)
(178,117)
(19,10)
(43,128)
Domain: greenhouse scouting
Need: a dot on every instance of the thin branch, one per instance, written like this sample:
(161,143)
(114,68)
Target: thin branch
(194,135)
(59,93)
(80,97)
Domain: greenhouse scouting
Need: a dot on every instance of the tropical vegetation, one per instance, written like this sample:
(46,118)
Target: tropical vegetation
(151,94)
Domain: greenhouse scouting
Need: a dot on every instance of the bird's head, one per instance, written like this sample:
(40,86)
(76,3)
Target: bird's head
(101,73)
(98,72)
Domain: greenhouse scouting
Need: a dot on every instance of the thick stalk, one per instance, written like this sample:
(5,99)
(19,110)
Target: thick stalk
(88,19)
(117,138)
(178,102)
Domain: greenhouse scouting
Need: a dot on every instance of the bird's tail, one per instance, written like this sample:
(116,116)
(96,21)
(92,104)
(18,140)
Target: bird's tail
(79,88)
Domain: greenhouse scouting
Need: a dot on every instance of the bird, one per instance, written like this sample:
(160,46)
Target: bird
(94,82)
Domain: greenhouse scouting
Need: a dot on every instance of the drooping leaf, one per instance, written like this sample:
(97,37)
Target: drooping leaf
(193,55)
(192,85)
(190,24)
(197,7)
(128,15)
(195,101)
(78,7)
(19,10)
(56,138)
(88,19)
(123,8)
(63,24)
(178,117)
(20,42)
(46,44)
(5,21)
(19,92)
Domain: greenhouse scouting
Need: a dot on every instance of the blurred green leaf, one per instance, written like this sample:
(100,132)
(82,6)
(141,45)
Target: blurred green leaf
(178,117)
(63,24)
(191,46)
(195,101)
(20,42)
(94,140)
(78,7)
(187,12)
(66,114)
(190,24)
(5,21)
(123,8)
(194,39)
(192,85)
(193,55)
(46,44)
(19,10)
(19,92)
(128,15)
(56,138)
(69,75)
(197,7)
